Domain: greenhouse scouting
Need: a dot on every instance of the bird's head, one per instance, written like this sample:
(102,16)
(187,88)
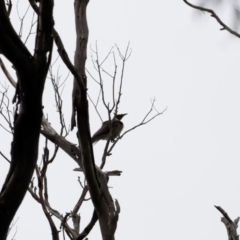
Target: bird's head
(120,116)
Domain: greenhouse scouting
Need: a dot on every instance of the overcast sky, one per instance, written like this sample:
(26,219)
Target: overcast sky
(176,168)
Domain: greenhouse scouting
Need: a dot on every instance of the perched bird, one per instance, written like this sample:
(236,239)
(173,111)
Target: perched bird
(104,132)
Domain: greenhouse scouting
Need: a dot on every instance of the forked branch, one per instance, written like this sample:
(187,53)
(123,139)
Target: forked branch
(143,122)
(230,225)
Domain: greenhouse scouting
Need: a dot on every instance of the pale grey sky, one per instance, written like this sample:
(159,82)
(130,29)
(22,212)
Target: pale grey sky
(176,168)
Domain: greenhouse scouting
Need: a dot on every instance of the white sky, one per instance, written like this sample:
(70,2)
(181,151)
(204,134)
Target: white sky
(176,168)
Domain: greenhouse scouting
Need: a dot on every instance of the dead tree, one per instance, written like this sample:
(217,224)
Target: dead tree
(31,71)
(29,121)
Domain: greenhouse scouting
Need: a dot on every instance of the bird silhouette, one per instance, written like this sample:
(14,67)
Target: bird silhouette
(104,132)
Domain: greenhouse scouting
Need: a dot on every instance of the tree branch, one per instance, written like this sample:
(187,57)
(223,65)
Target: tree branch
(214,15)
(7,74)
(98,189)
(10,44)
(42,201)
(89,227)
(230,225)
(31,73)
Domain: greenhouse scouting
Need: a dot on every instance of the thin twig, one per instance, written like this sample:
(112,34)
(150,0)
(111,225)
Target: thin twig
(95,106)
(44,206)
(30,30)
(58,101)
(92,76)
(5,157)
(114,79)
(124,59)
(80,201)
(107,56)
(6,117)
(143,122)
(7,74)
(100,78)
(21,19)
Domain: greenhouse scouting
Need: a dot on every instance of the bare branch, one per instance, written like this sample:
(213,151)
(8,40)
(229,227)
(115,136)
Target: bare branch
(92,76)
(95,106)
(143,122)
(58,101)
(21,19)
(79,180)
(94,218)
(230,225)
(63,54)
(44,207)
(74,214)
(100,78)
(7,74)
(5,157)
(30,30)
(7,115)
(43,198)
(124,59)
(11,227)
(89,227)
(93,62)
(107,56)
(214,15)
(34,6)
(113,173)
(105,152)
(34,195)
(5,129)
(114,79)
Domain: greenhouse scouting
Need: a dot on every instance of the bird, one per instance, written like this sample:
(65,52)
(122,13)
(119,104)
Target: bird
(104,132)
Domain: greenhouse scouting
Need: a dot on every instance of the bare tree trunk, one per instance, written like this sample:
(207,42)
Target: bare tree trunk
(101,198)
(31,73)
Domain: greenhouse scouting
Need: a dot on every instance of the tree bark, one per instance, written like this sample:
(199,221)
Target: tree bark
(100,195)
(31,73)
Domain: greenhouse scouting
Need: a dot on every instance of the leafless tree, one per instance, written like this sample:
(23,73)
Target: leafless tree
(27,121)
(31,72)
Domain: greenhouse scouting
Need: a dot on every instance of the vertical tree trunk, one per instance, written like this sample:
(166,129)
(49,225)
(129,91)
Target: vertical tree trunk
(80,105)
(31,74)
